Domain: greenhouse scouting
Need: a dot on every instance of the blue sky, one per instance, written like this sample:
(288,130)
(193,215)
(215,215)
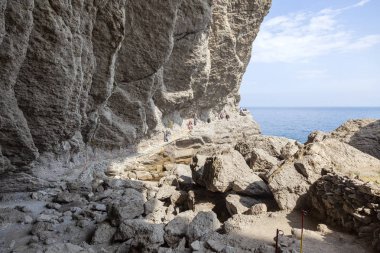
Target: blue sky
(316,53)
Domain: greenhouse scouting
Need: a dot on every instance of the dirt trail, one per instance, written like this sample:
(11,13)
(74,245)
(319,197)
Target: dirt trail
(262,228)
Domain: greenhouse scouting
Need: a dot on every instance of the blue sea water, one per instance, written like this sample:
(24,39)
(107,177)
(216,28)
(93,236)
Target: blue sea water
(298,123)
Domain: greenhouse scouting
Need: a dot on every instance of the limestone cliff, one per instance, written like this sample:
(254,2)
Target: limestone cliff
(106,73)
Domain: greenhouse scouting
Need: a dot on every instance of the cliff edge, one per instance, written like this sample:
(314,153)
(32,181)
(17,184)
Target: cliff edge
(105,74)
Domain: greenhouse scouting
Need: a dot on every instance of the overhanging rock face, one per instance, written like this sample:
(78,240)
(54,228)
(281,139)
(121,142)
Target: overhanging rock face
(107,73)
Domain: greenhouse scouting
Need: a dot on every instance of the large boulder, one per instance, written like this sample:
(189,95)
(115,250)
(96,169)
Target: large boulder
(128,206)
(10,216)
(263,153)
(290,182)
(165,192)
(260,161)
(251,185)
(257,209)
(183,174)
(226,171)
(197,168)
(274,146)
(363,134)
(202,224)
(143,234)
(237,204)
(177,228)
(103,234)
(155,210)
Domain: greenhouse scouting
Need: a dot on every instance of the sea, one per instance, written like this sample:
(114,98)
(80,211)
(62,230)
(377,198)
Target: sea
(298,122)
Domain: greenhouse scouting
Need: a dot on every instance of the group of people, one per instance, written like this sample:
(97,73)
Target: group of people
(193,122)
(242,111)
(223,114)
(190,124)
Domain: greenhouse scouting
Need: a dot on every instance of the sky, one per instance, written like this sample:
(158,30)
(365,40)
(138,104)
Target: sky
(315,53)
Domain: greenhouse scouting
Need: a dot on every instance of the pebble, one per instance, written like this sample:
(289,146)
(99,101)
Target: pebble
(196,245)
(55,206)
(50,241)
(28,219)
(99,207)
(12,244)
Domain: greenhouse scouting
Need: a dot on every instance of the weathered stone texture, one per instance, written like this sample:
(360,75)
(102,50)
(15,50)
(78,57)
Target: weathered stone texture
(290,181)
(227,170)
(108,73)
(349,203)
(16,144)
(363,134)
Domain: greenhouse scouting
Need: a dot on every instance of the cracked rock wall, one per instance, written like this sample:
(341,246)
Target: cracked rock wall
(106,73)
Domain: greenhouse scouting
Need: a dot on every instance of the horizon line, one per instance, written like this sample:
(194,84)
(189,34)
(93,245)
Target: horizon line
(307,106)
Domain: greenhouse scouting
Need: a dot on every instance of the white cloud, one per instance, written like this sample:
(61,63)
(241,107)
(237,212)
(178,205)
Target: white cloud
(361,3)
(304,35)
(364,42)
(311,74)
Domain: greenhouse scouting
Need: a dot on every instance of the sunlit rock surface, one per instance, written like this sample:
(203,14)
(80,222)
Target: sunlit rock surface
(105,74)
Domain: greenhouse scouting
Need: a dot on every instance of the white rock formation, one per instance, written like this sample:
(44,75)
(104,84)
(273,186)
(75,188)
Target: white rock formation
(227,170)
(363,134)
(290,182)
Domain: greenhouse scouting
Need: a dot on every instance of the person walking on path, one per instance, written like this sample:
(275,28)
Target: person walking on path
(221,115)
(168,134)
(241,112)
(190,125)
(165,136)
(195,119)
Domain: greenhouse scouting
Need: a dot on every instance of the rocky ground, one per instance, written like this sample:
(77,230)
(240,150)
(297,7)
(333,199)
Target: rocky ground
(222,187)
(86,89)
